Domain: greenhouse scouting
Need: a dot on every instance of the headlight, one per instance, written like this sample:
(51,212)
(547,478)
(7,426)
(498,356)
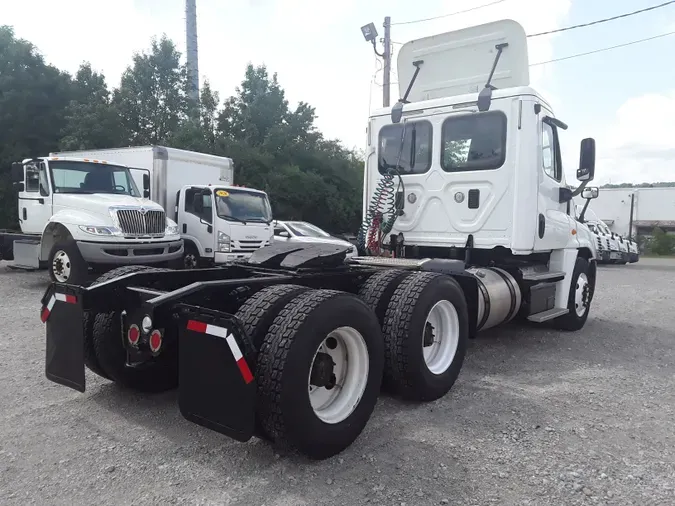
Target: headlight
(223,242)
(171,227)
(94,230)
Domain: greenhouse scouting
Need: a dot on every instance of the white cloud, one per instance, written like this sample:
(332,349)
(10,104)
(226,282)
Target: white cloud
(639,146)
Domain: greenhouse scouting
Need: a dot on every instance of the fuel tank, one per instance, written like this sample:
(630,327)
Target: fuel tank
(499,296)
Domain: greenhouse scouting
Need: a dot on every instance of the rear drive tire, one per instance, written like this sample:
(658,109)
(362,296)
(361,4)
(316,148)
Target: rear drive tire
(579,300)
(66,265)
(299,402)
(378,289)
(258,313)
(426,330)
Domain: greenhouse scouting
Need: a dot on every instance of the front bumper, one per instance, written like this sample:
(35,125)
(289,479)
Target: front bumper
(223,258)
(131,252)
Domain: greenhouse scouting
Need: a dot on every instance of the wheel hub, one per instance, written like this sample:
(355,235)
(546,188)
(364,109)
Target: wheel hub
(61,266)
(582,295)
(429,335)
(322,374)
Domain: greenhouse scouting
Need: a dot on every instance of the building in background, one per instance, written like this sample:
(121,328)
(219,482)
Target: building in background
(652,207)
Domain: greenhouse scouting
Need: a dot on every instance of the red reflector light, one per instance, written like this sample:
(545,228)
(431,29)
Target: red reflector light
(134,335)
(155,341)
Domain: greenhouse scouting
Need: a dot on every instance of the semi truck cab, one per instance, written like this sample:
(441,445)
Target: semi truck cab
(222,224)
(78,212)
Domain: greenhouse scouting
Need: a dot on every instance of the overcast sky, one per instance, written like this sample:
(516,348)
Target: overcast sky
(624,98)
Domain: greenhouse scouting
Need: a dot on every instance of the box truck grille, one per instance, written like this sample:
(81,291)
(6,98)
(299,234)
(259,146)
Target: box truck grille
(135,223)
(248,246)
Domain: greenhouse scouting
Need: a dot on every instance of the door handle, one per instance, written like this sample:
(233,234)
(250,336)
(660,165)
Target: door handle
(25,214)
(184,228)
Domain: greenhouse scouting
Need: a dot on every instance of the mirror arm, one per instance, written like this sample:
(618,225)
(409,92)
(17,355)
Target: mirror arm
(580,189)
(582,216)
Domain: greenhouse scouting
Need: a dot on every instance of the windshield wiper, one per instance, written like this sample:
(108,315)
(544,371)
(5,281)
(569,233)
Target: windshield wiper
(233,218)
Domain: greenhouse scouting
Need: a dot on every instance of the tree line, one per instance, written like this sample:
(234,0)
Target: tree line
(275,147)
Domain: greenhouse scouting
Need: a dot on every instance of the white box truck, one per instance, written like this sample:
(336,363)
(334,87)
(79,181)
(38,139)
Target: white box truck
(219,222)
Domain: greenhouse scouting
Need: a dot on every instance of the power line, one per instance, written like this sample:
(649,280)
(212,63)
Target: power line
(605,20)
(448,15)
(603,49)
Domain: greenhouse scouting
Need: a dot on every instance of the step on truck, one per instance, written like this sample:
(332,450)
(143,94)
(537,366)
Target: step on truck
(76,213)
(467,225)
(218,221)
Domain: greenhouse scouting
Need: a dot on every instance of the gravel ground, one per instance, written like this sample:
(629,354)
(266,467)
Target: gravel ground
(536,417)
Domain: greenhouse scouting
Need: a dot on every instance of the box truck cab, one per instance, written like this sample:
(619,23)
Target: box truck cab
(171,172)
(222,224)
(76,213)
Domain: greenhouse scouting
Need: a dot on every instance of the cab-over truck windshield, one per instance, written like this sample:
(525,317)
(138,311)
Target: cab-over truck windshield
(88,177)
(242,205)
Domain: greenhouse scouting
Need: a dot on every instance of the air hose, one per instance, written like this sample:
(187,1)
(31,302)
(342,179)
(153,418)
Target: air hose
(382,204)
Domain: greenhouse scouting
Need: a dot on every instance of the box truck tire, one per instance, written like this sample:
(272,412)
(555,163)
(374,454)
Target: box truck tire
(66,264)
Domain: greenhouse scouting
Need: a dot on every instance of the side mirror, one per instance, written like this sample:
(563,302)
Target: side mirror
(586,171)
(590,192)
(283,233)
(485,99)
(397,112)
(19,187)
(146,186)
(17,172)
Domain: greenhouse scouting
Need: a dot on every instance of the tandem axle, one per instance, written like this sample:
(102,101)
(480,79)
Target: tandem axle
(293,347)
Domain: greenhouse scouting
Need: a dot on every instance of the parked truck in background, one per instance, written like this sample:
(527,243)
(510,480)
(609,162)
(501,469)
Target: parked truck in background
(467,223)
(79,212)
(218,221)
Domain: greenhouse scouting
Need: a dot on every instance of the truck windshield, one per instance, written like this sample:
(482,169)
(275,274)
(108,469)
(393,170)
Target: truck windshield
(242,205)
(88,177)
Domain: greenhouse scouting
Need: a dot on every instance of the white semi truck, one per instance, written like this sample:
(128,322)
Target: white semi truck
(218,221)
(77,213)
(468,223)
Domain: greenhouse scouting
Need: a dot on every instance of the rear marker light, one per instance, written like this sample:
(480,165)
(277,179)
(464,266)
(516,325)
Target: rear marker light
(133,335)
(155,341)
(205,328)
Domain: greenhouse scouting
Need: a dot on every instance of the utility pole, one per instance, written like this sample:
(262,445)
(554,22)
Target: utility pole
(386,78)
(630,220)
(192,51)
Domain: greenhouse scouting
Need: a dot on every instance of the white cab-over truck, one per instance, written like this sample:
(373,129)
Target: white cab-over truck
(77,213)
(218,222)
(467,224)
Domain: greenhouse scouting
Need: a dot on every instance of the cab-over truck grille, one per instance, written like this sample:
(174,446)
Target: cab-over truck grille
(133,222)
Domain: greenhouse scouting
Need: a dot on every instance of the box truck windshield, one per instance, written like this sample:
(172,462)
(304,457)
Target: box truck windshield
(86,177)
(242,205)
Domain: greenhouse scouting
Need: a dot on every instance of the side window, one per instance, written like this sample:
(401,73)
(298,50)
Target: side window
(195,193)
(32,178)
(414,156)
(44,181)
(550,154)
(473,142)
(120,179)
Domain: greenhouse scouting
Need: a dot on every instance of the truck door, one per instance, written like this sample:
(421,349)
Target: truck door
(35,201)
(554,225)
(195,219)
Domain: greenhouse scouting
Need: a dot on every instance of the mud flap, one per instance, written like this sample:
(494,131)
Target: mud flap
(63,314)
(216,387)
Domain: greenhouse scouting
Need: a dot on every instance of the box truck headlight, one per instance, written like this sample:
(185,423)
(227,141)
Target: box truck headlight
(171,227)
(223,242)
(94,230)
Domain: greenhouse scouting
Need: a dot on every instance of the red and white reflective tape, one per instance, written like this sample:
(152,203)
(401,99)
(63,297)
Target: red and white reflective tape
(205,328)
(61,297)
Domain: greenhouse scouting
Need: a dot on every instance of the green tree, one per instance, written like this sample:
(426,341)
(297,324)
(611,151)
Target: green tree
(662,243)
(151,99)
(33,99)
(92,121)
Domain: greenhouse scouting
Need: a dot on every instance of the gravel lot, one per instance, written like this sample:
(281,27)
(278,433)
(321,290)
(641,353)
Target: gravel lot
(536,417)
